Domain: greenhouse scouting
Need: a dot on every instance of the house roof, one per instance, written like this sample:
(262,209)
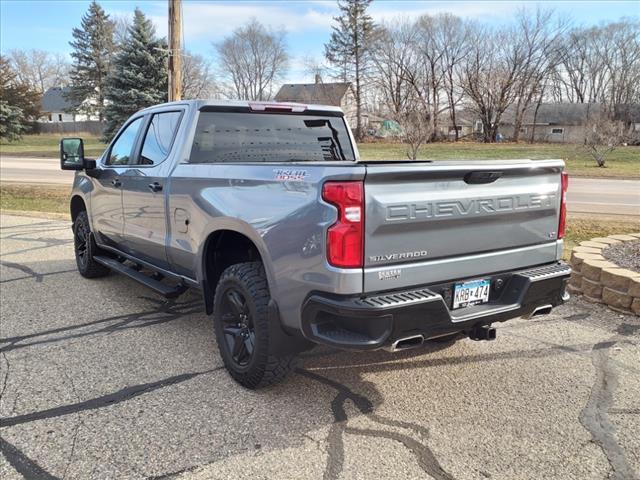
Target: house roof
(54,100)
(320,93)
(464,117)
(628,112)
(554,114)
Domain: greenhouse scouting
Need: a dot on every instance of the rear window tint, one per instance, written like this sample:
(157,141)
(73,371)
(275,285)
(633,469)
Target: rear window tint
(257,137)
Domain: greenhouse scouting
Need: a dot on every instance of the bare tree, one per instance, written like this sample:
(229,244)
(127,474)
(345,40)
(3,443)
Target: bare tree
(349,49)
(620,51)
(314,67)
(600,64)
(429,78)
(121,25)
(392,54)
(197,77)
(541,41)
(39,69)
(417,130)
(452,39)
(603,135)
(490,74)
(252,59)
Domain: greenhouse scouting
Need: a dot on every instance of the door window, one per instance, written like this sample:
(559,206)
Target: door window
(159,137)
(122,148)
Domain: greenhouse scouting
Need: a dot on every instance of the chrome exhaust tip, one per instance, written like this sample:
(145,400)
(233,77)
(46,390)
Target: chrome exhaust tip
(406,343)
(542,310)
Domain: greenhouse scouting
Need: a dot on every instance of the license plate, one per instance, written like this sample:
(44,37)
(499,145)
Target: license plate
(471,293)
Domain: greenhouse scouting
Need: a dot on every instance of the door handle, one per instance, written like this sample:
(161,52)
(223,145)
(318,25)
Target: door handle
(155,187)
(116,182)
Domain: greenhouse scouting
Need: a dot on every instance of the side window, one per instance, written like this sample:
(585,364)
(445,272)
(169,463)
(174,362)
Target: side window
(159,137)
(121,150)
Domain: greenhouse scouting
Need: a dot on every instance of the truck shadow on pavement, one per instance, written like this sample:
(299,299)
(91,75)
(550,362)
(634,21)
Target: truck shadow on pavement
(328,389)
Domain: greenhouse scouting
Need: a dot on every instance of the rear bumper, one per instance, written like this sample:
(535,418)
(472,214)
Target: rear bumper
(378,320)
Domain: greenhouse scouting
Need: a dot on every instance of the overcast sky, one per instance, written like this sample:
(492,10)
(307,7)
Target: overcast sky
(46,25)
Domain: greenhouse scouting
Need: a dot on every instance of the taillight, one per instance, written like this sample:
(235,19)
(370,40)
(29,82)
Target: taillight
(345,238)
(564,176)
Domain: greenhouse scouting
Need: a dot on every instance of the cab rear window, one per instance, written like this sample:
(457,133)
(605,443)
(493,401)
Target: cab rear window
(265,137)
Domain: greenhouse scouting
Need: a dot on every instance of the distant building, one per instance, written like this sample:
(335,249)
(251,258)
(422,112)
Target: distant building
(339,94)
(549,122)
(56,107)
(467,123)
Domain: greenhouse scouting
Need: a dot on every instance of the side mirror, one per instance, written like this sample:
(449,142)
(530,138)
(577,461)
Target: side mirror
(72,154)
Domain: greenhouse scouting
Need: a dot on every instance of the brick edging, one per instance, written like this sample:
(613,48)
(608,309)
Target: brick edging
(602,281)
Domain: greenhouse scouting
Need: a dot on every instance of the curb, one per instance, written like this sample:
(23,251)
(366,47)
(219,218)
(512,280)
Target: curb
(602,281)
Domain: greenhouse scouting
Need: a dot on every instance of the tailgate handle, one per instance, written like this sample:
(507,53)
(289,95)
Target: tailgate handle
(482,177)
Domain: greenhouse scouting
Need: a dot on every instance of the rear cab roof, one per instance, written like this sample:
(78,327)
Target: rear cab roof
(199,104)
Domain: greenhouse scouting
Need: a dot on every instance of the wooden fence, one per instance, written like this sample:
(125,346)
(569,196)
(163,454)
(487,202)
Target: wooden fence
(63,128)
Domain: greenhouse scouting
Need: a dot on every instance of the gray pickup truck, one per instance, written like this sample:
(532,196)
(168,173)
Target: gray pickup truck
(295,241)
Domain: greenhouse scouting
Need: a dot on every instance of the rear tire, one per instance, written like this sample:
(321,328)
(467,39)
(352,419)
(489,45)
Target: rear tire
(85,248)
(241,324)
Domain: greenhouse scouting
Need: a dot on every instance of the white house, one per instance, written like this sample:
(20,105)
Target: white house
(56,107)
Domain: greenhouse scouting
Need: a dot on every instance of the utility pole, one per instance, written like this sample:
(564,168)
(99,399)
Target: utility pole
(175,50)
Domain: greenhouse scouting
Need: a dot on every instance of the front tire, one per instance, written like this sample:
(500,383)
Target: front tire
(241,324)
(85,248)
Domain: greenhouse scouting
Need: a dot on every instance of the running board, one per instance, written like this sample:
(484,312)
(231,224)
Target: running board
(166,291)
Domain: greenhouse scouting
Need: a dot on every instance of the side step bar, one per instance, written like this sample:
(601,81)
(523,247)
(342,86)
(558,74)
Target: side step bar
(166,291)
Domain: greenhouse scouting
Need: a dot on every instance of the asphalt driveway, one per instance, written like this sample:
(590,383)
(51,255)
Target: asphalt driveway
(102,379)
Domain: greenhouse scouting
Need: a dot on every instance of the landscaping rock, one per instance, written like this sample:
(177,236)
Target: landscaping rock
(582,249)
(626,255)
(592,289)
(617,278)
(578,257)
(616,298)
(635,306)
(634,287)
(592,268)
(607,240)
(576,279)
(624,238)
(592,244)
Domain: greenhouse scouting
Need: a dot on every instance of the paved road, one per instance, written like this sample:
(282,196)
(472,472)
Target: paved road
(604,196)
(33,170)
(102,379)
(586,195)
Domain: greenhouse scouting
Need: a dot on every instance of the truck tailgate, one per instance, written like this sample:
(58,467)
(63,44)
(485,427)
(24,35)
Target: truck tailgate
(445,220)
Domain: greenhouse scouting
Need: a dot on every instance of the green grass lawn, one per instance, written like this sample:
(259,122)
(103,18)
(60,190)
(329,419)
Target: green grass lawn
(35,198)
(580,229)
(622,163)
(47,145)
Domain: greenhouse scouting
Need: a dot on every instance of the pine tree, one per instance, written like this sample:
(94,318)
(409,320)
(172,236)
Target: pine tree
(93,50)
(138,78)
(20,101)
(11,122)
(348,48)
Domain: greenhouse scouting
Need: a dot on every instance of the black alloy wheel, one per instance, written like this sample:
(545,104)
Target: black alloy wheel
(81,241)
(85,248)
(243,329)
(238,328)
